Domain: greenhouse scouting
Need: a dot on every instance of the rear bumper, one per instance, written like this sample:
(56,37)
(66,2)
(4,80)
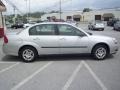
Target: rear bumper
(98,27)
(9,50)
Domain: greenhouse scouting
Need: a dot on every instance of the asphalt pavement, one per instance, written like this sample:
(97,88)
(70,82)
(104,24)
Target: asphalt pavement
(69,72)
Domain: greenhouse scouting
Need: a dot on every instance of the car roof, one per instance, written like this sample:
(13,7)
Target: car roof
(52,23)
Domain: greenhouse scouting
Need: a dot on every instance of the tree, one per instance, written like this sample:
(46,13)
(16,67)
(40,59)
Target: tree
(54,11)
(23,18)
(36,14)
(87,10)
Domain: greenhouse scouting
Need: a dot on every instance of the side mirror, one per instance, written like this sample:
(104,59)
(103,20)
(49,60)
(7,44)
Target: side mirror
(90,23)
(89,33)
(82,35)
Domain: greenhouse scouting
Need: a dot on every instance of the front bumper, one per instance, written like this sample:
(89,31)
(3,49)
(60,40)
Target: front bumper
(114,50)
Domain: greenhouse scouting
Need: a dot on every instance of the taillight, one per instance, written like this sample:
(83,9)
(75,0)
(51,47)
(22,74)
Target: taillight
(5,39)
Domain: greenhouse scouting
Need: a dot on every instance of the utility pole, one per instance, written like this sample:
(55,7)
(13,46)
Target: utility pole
(26,11)
(29,9)
(14,19)
(60,10)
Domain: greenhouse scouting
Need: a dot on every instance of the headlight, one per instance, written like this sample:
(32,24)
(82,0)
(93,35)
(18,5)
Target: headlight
(115,41)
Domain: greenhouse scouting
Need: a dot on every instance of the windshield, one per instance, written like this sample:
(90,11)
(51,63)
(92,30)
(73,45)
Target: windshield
(98,22)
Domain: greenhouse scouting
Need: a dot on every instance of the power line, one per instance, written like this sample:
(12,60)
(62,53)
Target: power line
(56,4)
(13,5)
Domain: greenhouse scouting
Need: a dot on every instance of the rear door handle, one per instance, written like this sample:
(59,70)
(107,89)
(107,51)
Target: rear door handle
(36,39)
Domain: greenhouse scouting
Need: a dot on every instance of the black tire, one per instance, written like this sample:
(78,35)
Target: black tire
(100,52)
(92,28)
(102,29)
(114,28)
(31,54)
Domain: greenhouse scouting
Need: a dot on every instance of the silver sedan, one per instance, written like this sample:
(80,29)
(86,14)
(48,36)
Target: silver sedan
(96,25)
(117,26)
(57,38)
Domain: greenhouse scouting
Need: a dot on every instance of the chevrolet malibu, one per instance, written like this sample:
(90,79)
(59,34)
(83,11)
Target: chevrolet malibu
(51,38)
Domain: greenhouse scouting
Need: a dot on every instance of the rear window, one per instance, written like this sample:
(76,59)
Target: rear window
(45,29)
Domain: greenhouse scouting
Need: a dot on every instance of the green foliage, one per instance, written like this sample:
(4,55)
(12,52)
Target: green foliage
(23,18)
(54,11)
(36,14)
(87,10)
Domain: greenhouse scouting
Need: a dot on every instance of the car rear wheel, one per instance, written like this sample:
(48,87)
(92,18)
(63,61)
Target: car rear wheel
(113,28)
(92,28)
(28,54)
(100,52)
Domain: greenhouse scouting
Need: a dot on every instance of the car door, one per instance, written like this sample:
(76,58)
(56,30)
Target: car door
(117,25)
(72,40)
(45,36)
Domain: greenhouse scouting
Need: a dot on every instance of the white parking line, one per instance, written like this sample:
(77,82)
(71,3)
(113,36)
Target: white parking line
(31,76)
(95,76)
(7,62)
(70,80)
(3,70)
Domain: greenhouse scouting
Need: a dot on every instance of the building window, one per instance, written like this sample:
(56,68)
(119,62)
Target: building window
(69,17)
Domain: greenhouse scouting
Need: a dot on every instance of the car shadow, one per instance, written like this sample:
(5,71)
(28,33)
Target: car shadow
(8,58)
(67,57)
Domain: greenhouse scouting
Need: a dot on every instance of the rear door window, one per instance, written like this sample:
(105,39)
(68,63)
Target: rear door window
(44,29)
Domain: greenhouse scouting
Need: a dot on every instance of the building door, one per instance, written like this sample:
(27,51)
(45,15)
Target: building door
(77,18)
(97,17)
(108,16)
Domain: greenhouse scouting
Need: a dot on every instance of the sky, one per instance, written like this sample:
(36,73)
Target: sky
(48,5)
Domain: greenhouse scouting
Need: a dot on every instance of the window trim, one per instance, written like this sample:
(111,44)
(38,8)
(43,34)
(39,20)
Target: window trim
(55,30)
(70,26)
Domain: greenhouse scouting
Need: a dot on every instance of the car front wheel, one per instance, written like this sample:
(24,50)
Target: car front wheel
(28,54)
(100,52)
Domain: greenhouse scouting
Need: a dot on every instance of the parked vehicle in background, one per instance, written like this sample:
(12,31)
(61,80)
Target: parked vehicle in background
(59,20)
(29,24)
(72,22)
(111,22)
(17,25)
(8,25)
(96,25)
(57,38)
(117,26)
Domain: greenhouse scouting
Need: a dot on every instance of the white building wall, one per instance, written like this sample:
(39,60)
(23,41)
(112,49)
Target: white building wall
(86,16)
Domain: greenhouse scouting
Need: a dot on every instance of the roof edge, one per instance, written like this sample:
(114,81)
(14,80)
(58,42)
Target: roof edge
(2,7)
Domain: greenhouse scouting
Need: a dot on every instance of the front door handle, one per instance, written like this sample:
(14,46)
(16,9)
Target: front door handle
(62,38)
